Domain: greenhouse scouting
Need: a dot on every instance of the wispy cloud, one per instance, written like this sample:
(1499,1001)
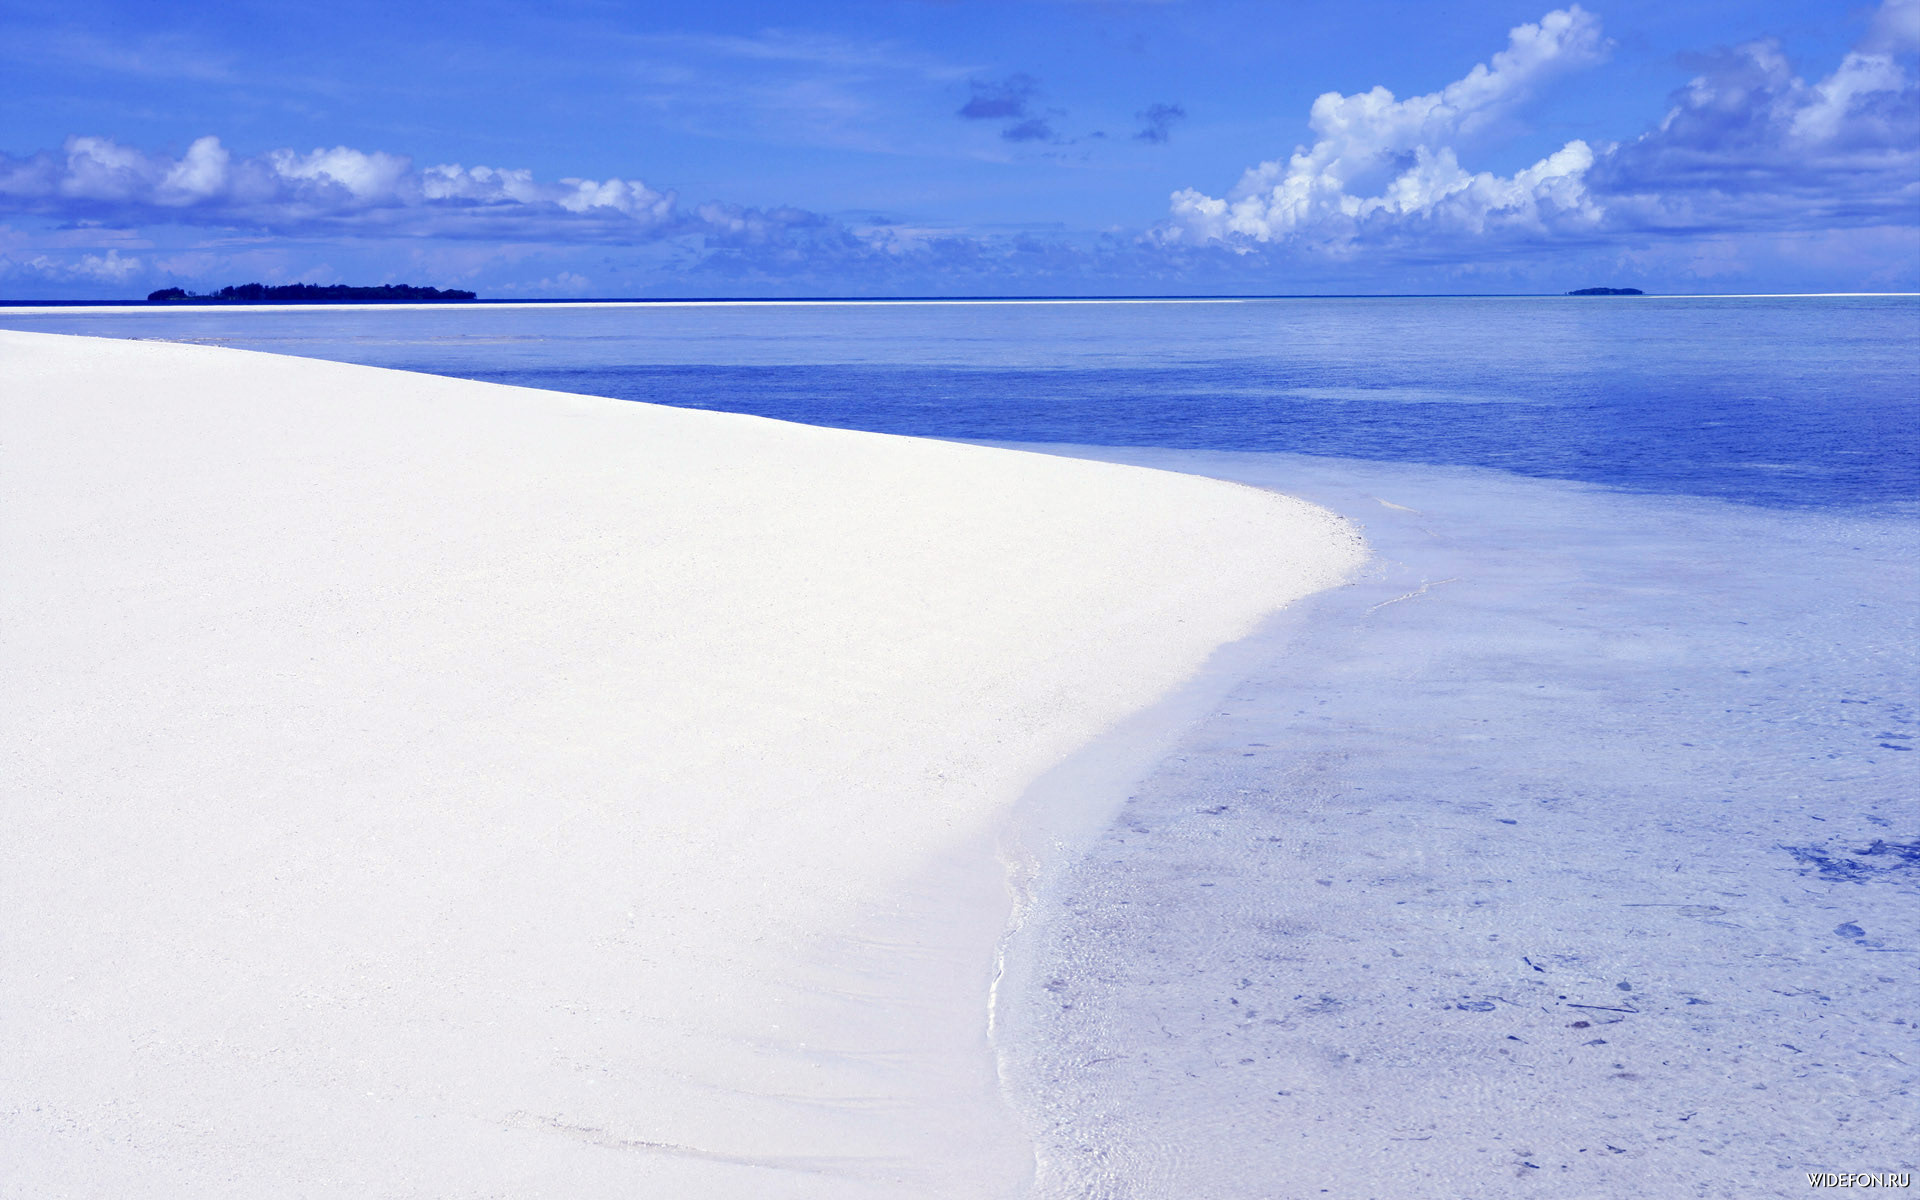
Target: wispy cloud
(1000,99)
(1013,100)
(1157,121)
(791,88)
(1033,129)
(151,56)
(807,48)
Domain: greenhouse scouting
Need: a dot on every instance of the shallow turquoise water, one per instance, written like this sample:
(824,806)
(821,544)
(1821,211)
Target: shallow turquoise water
(1574,846)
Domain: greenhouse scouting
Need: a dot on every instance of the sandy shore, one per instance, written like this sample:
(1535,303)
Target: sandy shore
(421,786)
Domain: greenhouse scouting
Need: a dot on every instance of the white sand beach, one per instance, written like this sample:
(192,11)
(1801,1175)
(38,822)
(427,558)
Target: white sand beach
(427,787)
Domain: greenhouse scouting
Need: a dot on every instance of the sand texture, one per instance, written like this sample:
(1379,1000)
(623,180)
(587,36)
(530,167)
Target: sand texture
(426,787)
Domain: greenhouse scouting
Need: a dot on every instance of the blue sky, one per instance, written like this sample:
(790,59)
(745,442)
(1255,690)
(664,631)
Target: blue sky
(587,147)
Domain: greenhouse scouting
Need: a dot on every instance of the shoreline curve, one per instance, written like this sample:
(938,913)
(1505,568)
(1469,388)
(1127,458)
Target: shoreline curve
(424,783)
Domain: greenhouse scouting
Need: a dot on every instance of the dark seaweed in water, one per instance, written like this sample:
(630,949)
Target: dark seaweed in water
(1898,856)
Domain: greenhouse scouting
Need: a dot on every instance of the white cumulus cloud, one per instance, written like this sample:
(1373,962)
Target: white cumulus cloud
(1749,144)
(366,178)
(111,267)
(325,190)
(199,175)
(1379,160)
(1746,145)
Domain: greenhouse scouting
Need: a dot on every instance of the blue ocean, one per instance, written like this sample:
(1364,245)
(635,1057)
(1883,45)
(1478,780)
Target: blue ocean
(1575,845)
(1785,402)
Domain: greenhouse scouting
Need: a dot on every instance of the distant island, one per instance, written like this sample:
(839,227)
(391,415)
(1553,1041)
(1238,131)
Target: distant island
(1608,292)
(306,293)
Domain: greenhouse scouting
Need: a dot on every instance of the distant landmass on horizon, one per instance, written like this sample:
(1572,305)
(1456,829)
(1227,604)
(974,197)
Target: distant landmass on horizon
(305,293)
(1602,291)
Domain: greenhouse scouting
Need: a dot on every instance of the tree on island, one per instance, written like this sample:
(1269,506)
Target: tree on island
(1599,291)
(306,293)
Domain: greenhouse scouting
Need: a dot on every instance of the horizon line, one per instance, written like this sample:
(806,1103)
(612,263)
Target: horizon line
(720,301)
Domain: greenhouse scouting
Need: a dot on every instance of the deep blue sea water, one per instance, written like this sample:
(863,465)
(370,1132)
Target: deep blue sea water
(1784,402)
